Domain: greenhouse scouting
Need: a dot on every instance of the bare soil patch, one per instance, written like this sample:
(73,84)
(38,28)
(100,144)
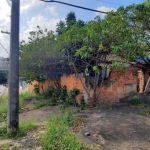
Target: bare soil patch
(117,127)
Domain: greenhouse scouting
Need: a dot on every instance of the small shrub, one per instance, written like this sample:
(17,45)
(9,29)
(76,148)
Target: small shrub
(70,99)
(82,104)
(36,89)
(135,102)
(63,94)
(146,111)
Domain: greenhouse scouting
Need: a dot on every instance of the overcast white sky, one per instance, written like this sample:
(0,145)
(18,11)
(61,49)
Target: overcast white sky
(47,15)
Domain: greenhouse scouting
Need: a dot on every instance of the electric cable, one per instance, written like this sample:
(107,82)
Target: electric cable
(4,49)
(110,2)
(75,6)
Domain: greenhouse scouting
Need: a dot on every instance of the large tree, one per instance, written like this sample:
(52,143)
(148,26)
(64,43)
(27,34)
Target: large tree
(128,31)
(82,44)
(35,54)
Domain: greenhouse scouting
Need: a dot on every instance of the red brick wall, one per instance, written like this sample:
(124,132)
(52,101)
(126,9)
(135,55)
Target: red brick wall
(119,84)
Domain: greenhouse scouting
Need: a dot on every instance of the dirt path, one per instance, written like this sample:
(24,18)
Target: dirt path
(40,115)
(116,127)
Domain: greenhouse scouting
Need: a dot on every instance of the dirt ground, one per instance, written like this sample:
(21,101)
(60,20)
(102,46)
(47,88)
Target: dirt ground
(113,127)
(117,127)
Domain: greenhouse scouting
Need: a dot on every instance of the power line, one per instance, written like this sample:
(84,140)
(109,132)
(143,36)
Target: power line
(111,2)
(4,49)
(75,6)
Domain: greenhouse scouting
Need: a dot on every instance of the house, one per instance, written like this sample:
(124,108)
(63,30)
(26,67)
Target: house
(115,84)
(4,63)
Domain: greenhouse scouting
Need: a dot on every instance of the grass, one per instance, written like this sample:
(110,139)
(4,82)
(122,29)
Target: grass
(145,111)
(25,96)
(25,127)
(58,136)
(4,103)
(39,104)
(3,107)
(7,147)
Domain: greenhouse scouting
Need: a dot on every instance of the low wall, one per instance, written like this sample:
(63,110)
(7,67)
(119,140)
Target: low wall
(43,85)
(119,84)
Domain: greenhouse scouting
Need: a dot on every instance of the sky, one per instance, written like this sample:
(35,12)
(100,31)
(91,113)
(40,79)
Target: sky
(47,15)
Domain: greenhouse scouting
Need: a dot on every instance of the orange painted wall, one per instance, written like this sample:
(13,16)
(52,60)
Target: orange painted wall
(72,81)
(45,85)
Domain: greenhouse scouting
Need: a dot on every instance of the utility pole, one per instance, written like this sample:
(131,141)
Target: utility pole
(13,100)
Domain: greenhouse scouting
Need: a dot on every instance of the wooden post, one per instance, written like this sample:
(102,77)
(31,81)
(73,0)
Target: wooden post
(140,81)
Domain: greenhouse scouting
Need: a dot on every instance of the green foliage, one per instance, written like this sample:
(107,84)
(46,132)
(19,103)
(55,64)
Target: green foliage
(61,27)
(3,107)
(3,77)
(24,96)
(70,19)
(63,94)
(70,99)
(58,136)
(35,54)
(53,97)
(24,127)
(38,104)
(145,111)
(135,102)
(82,104)
(36,89)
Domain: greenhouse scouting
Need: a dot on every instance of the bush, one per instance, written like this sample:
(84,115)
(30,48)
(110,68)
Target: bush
(135,102)
(58,136)
(36,89)
(146,111)
(53,97)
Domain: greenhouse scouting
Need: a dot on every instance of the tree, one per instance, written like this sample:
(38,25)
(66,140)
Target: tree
(35,54)
(82,44)
(39,61)
(70,19)
(128,33)
(61,27)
